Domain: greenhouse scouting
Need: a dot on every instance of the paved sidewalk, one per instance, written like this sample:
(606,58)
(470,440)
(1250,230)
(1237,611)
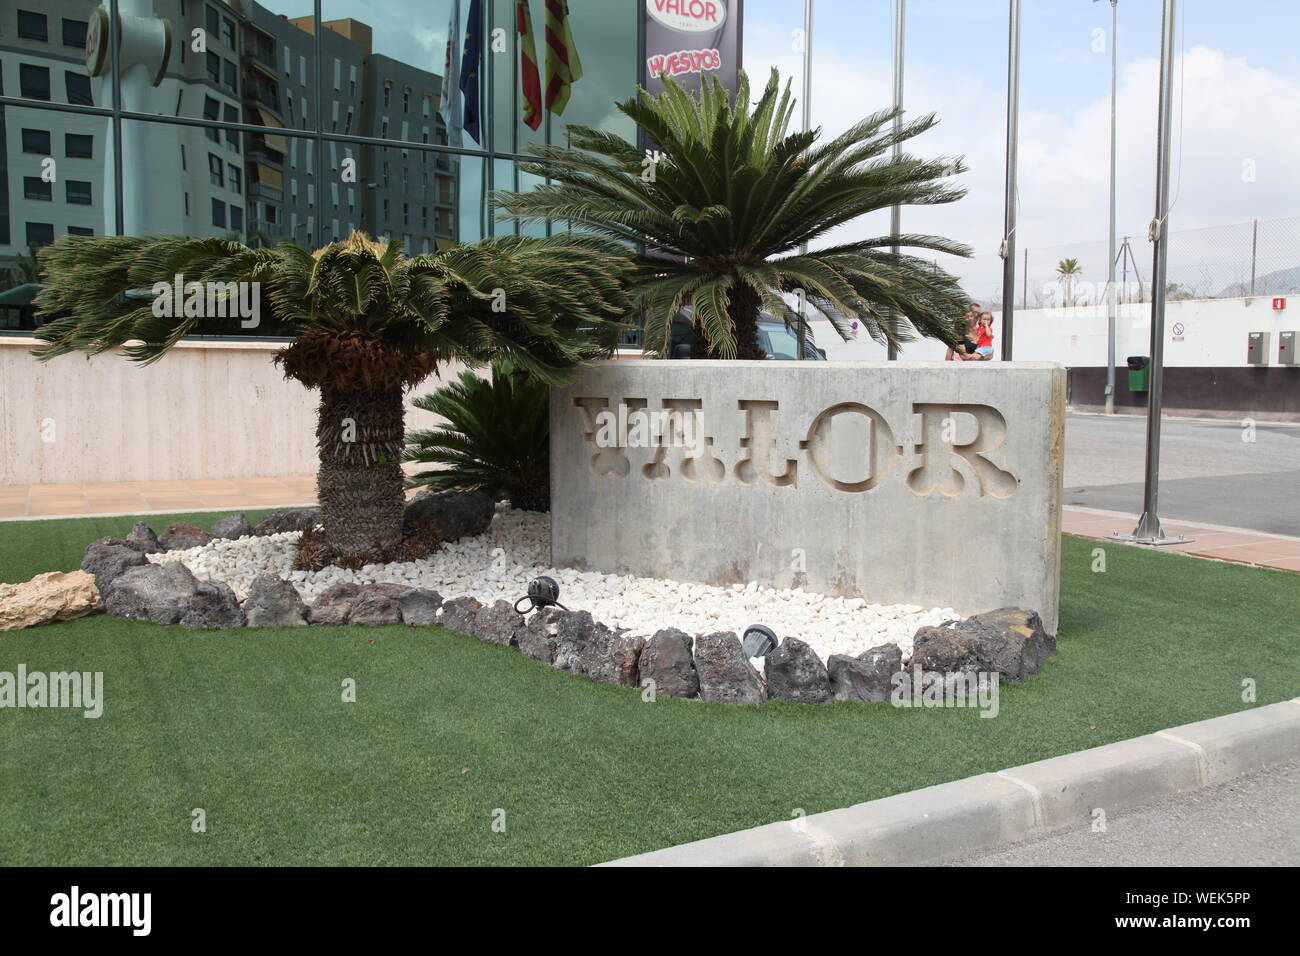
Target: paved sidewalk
(160,497)
(220,494)
(1208,541)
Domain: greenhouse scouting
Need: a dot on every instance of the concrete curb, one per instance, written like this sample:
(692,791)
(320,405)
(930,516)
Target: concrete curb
(995,809)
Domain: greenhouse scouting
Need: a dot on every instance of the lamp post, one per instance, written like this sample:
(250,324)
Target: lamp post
(806,109)
(1110,277)
(1149,530)
(896,211)
(1008,248)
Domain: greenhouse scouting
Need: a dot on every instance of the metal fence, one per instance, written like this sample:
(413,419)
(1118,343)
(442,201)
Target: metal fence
(1260,257)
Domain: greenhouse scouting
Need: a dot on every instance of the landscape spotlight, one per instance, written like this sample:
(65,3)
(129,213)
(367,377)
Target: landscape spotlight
(759,641)
(543,592)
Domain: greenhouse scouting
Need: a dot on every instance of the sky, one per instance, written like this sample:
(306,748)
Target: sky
(1236,132)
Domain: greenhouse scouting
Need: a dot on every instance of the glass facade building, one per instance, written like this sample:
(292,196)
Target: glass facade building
(282,119)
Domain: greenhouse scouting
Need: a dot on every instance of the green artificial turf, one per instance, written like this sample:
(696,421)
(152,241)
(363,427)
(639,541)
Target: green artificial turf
(448,732)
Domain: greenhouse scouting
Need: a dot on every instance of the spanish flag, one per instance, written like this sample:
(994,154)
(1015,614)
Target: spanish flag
(528,76)
(563,68)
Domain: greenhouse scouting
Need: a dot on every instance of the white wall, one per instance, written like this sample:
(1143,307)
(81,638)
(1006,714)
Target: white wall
(208,409)
(1214,334)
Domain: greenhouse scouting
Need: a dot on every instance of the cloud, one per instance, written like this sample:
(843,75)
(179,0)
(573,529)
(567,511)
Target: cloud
(1231,120)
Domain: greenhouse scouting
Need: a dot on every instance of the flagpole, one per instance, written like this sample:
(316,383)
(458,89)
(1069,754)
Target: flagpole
(802,335)
(1110,278)
(1008,249)
(1149,530)
(896,211)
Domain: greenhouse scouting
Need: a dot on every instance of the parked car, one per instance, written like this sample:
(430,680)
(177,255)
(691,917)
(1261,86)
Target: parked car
(775,338)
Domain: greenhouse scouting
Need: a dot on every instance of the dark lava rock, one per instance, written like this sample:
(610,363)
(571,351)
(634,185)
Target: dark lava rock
(497,623)
(726,676)
(291,519)
(420,606)
(143,539)
(159,593)
(333,605)
(377,604)
(867,677)
(459,614)
(109,558)
(537,637)
(274,602)
(795,672)
(213,606)
(455,514)
(182,536)
(232,526)
(667,661)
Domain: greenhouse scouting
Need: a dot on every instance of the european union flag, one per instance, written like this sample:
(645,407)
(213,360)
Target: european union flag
(470,65)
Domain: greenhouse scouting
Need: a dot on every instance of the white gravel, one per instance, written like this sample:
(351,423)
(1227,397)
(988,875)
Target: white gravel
(499,564)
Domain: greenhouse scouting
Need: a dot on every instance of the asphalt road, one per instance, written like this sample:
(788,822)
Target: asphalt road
(1251,821)
(1208,473)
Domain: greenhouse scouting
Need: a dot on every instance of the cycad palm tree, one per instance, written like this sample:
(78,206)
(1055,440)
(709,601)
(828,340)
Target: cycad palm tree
(369,322)
(496,437)
(726,209)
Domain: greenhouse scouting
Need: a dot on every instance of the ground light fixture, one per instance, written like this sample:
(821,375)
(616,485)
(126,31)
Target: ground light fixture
(759,640)
(543,592)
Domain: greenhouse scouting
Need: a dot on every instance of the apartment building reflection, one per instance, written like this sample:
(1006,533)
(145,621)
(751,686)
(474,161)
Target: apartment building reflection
(235,62)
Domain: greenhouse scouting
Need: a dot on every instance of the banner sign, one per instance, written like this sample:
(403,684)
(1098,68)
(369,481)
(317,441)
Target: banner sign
(689,39)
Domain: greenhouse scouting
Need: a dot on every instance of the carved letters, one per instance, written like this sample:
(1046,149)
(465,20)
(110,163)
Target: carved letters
(676,435)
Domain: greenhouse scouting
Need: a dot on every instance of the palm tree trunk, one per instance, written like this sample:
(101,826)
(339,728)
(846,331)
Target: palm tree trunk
(360,437)
(743,305)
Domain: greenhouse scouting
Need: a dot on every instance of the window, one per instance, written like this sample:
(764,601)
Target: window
(78,193)
(36,141)
(218,214)
(214,68)
(36,188)
(232,77)
(184,165)
(270,213)
(211,111)
(236,179)
(236,219)
(406,100)
(40,233)
(79,145)
(80,231)
(34,81)
(216,171)
(388,93)
(212,22)
(228,32)
(74,33)
(32,26)
(78,88)
(232,135)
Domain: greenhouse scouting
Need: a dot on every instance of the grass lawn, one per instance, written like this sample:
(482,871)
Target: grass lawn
(249,726)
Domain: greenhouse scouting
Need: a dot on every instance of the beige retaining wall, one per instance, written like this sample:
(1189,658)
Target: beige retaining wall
(209,409)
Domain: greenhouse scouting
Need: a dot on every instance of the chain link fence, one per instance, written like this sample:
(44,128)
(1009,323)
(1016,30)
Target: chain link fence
(1260,257)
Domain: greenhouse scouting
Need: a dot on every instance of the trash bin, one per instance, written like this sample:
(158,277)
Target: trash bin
(1139,373)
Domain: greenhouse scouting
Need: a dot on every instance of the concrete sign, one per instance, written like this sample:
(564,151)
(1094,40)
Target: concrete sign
(932,483)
